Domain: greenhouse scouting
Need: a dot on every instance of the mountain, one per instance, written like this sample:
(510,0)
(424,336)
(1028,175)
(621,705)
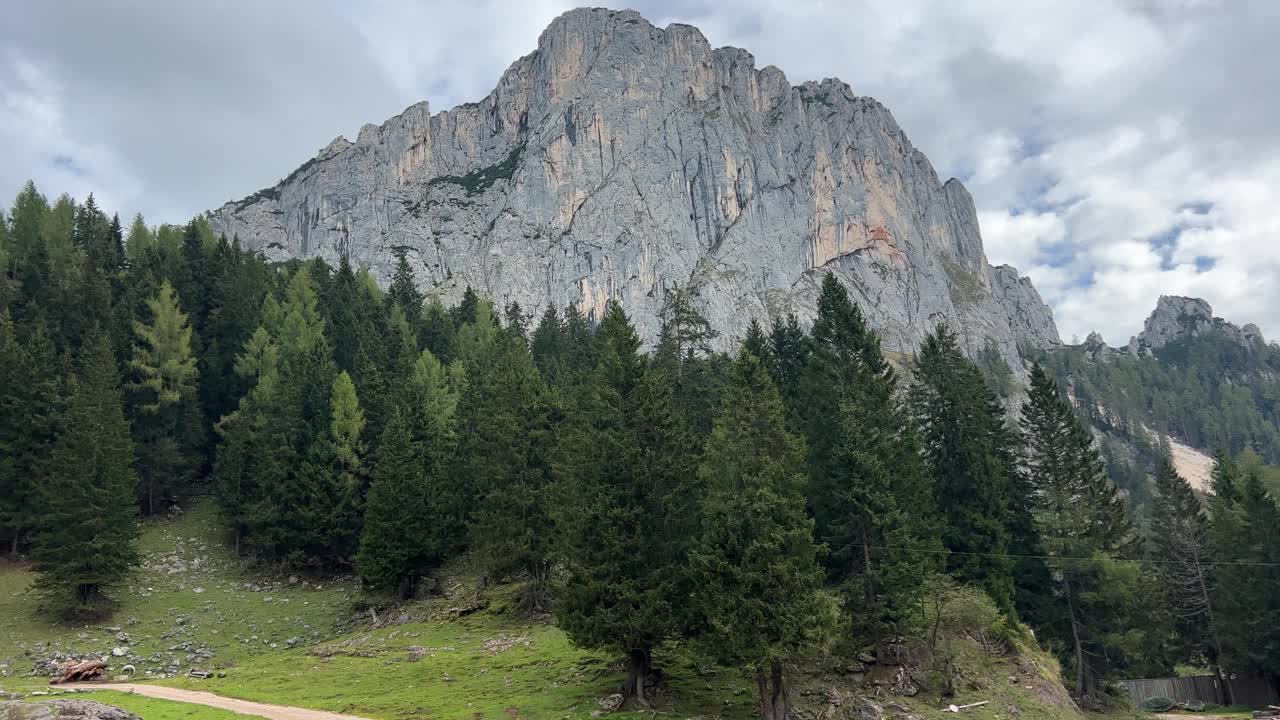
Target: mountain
(620,160)
(1198,381)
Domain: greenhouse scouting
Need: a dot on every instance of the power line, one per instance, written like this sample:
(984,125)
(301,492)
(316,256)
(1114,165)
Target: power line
(927,551)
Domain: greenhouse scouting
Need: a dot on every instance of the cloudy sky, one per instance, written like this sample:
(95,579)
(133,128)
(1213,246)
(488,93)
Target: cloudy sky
(1117,149)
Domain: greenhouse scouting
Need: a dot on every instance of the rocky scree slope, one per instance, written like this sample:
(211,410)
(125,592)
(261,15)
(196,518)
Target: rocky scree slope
(620,160)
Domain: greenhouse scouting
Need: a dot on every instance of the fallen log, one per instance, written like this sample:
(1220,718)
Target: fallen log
(81,671)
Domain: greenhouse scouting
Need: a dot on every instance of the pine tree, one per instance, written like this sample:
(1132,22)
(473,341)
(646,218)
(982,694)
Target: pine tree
(1179,542)
(754,567)
(683,327)
(630,506)
(962,427)
(87,539)
(169,425)
(1081,520)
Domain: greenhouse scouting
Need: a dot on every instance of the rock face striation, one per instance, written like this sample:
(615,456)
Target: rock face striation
(1178,318)
(620,160)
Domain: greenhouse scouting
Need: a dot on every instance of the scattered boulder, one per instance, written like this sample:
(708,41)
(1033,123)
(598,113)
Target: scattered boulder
(611,703)
(63,710)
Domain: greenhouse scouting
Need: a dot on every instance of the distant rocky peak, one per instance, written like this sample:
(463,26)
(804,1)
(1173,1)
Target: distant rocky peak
(1178,318)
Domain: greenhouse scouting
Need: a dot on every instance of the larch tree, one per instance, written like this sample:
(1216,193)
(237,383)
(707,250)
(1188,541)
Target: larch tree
(165,390)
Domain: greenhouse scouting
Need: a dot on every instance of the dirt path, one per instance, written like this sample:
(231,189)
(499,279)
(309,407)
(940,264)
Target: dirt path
(273,712)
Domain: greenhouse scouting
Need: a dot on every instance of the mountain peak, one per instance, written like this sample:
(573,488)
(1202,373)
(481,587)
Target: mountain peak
(619,161)
(1178,318)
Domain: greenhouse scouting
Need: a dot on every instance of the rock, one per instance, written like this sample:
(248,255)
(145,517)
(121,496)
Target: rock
(294,641)
(1179,318)
(123,637)
(855,668)
(619,160)
(120,650)
(866,657)
(63,710)
(610,703)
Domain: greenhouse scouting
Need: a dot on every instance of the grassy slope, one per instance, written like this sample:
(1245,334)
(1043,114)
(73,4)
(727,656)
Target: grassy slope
(488,664)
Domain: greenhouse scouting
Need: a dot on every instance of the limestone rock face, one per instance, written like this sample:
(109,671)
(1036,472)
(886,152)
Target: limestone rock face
(1177,318)
(620,160)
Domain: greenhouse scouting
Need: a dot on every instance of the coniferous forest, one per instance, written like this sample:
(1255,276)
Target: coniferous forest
(798,492)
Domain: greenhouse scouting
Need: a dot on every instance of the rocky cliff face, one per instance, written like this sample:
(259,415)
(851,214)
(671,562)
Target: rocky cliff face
(619,160)
(1177,318)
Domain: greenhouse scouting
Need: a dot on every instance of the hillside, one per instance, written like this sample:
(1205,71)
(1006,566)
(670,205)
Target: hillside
(620,160)
(464,654)
(1199,381)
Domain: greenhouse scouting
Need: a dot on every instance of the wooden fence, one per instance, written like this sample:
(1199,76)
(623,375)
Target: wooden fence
(1254,692)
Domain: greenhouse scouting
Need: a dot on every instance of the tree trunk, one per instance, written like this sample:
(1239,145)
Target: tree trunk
(638,664)
(406,588)
(1075,638)
(13,549)
(775,700)
(868,585)
(1224,685)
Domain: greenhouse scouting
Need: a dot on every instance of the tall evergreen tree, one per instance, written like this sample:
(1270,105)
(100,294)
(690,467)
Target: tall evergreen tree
(962,427)
(404,292)
(868,489)
(754,565)
(393,554)
(170,427)
(87,538)
(631,501)
(30,404)
(1243,532)
(1082,523)
(1179,542)
(505,427)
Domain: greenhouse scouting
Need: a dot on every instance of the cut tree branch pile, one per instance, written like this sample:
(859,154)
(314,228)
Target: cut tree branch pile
(80,671)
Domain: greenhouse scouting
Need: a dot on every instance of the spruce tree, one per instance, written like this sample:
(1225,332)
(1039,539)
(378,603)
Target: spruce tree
(30,407)
(169,422)
(403,292)
(868,489)
(1243,532)
(962,428)
(1179,542)
(547,345)
(505,428)
(393,554)
(87,537)
(1082,524)
(753,565)
(630,506)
